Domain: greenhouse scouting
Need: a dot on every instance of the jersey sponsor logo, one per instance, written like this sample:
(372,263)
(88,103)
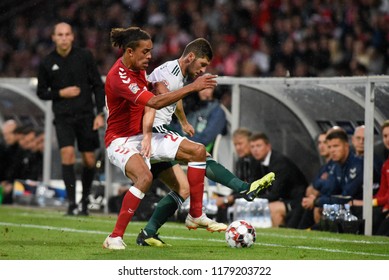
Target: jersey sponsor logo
(176,70)
(122,150)
(122,73)
(134,88)
(123,76)
(125,79)
(55,67)
(353,173)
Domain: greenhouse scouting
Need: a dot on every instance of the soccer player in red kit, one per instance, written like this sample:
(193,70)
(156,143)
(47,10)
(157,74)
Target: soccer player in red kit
(128,146)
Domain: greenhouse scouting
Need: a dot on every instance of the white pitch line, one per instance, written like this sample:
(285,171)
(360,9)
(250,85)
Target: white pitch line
(193,239)
(288,236)
(329,239)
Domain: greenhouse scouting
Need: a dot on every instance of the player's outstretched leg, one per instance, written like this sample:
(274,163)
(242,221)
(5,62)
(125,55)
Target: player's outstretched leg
(144,240)
(204,222)
(259,185)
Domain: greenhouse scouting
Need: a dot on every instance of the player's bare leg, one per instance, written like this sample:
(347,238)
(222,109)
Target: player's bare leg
(195,155)
(142,178)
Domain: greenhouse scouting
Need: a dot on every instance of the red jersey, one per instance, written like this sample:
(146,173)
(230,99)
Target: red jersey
(126,96)
(382,195)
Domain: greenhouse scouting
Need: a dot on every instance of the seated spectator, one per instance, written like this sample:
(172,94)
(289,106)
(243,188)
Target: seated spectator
(358,144)
(37,149)
(322,188)
(287,190)
(345,179)
(26,162)
(311,215)
(241,141)
(12,148)
(3,162)
(381,198)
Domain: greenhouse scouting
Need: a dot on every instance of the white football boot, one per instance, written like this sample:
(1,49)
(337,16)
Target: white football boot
(114,243)
(204,222)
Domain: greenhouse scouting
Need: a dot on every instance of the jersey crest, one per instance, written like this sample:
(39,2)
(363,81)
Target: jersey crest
(134,88)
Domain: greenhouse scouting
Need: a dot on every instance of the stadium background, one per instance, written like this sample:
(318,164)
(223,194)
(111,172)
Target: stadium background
(250,37)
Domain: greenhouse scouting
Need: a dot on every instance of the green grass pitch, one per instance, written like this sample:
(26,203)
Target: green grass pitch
(45,234)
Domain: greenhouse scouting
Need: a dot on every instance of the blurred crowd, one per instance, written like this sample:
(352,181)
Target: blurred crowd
(258,38)
(21,153)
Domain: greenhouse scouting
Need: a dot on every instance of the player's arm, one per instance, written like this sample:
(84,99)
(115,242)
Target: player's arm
(147,123)
(180,113)
(162,100)
(159,88)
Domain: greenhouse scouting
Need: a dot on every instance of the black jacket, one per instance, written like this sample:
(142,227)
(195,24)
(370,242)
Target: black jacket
(289,184)
(78,68)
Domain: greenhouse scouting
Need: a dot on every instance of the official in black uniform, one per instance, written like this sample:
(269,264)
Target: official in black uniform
(69,77)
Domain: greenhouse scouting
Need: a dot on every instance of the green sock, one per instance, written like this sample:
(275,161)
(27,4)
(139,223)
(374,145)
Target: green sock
(166,208)
(219,174)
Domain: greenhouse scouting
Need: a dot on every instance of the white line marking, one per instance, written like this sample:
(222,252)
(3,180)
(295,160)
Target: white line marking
(193,239)
(288,236)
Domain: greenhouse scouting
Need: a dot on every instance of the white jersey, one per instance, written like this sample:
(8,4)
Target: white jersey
(169,73)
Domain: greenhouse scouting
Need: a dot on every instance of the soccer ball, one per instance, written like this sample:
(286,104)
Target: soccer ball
(240,234)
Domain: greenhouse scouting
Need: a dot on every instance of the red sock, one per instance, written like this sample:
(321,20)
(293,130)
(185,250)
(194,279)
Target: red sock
(196,173)
(129,205)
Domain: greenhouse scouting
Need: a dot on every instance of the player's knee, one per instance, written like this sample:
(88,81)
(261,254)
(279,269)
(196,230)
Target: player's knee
(200,153)
(68,155)
(143,181)
(147,178)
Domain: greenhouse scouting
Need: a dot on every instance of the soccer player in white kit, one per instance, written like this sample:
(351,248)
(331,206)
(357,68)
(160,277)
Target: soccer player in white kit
(192,64)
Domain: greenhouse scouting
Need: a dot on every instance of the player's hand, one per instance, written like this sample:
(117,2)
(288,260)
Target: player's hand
(70,92)
(160,88)
(146,147)
(205,81)
(98,122)
(188,129)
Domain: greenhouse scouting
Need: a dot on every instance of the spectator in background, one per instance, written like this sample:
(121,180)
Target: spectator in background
(37,148)
(382,197)
(358,144)
(287,190)
(69,77)
(241,141)
(25,161)
(12,148)
(311,215)
(345,176)
(3,156)
(306,28)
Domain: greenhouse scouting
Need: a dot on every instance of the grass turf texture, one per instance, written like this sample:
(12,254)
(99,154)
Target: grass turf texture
(44,234)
